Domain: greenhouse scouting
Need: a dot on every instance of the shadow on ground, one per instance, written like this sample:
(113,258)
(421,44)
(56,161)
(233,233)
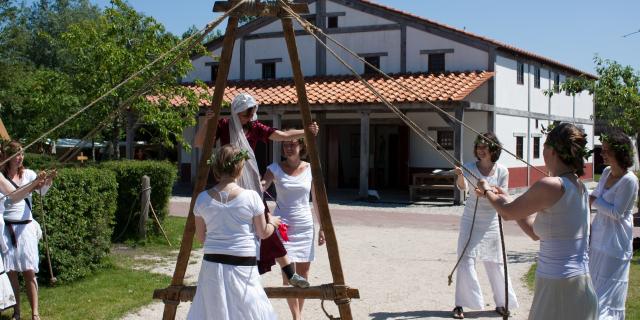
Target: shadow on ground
(522,257)
(431,314)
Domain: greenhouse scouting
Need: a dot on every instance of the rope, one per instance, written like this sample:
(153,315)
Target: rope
(311,29)
(158,222)
(473,222)
(207,29)
(52,278)
(327,292)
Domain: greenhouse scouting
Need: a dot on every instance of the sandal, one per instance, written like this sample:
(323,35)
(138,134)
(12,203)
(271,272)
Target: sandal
(35,317)
(503,311)
(458,313)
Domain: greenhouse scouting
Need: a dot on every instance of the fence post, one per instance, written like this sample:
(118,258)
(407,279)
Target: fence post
(145,197)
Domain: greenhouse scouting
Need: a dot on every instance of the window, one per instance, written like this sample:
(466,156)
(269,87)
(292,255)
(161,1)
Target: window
(537,123)
(269,70)
(536,147)
(520,73)
(214,72)
(556,83)
(536,78)
(445,139)
(520,147)
(332,22)
(311,18)
(374,60)
(436,63)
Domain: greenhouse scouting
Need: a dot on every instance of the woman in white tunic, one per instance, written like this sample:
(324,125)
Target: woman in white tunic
(484,244)
(7,298)
(22,232)
(228,219)
(292,179)
(612,228)
(563,288)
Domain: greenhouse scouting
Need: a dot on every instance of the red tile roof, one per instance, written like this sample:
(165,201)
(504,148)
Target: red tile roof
(349,90)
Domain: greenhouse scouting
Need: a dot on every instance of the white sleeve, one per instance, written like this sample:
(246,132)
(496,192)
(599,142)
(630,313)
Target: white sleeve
(258,206)
(503,179)
(598,190)
(197,207)
(625,196)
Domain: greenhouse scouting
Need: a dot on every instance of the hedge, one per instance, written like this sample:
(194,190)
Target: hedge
(37,161)
(129,173)
(80,210)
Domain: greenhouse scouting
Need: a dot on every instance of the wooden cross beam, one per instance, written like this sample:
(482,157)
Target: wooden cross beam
(82,158)
(260,9)
(325,292)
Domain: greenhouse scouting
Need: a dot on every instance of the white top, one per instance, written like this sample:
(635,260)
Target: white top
(19,211)
(3,245)
(230,228)
(293,196)
(612,228)
(485,239)
(564,234)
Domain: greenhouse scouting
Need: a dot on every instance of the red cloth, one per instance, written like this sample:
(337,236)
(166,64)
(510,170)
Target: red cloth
(257,132)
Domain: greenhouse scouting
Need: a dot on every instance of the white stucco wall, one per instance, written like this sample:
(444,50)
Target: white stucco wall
(463,58)
(277,48)
(506,127)
(561,104)
(422,155)
(539,101)
(366,42)
(584,105)
(510,94)
(354,17)
(203,72)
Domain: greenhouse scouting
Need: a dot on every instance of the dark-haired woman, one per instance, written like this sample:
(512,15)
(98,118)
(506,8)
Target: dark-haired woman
(612,228)
(484,244)
(563,288)
(228,220)
(22,232)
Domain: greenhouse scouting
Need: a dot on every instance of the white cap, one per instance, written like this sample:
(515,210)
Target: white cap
(243,102)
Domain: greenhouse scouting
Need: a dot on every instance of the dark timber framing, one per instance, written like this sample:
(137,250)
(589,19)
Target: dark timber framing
(321,53)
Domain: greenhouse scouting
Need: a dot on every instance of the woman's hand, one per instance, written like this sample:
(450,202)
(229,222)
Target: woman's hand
(458,171)
(314,128)
(482,187)
(321,239)
(209,114)
(275,220)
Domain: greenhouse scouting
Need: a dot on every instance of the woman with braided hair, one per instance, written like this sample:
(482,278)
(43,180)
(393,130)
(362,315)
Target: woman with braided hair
(563,288)
(228,220)
(483,242)
(612,228)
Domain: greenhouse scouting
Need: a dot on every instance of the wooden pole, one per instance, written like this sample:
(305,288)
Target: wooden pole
(145,196)
(171,303)
(342,299)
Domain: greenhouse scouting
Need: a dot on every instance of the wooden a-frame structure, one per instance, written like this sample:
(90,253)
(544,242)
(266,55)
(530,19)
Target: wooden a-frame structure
(336,291)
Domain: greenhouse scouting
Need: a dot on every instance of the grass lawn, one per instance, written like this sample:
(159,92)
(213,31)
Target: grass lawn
(115,290)
(633,297)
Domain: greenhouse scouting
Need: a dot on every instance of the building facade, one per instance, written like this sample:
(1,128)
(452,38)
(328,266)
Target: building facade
(489,85)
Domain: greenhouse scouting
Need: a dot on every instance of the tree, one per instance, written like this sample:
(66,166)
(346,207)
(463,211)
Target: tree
(617,94)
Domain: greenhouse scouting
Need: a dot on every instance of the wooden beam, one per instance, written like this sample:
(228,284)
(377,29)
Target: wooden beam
(171,303)
(318,180)
(261,9)
(4,134)
(324,292)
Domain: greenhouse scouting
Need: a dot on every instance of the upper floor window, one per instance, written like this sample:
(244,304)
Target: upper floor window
(520,147)
(436,62)
(375,61)
(268,70)
(332,22)
(536,147)
(214,70)
(445,139)
(556,83)
(536,77)
(520,73)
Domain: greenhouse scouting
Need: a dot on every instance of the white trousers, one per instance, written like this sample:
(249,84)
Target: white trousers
(468,291)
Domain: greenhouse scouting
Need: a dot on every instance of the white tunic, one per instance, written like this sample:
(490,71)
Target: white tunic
(294,210)
(25,256)
(611,243)
(7,299)
(485,238)
(228,292)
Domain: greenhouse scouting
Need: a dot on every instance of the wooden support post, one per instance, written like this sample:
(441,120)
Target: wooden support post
(364,155)
(145,196)
(342,301)
(171,303)
(276,150)
(458,143)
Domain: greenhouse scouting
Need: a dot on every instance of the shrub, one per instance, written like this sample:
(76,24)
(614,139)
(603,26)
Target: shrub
(79,209)
(129,174)
(36,161)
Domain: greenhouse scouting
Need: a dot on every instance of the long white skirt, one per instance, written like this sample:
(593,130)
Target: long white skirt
(25,256)
(227,292)
(300,246)
(567,299)
(611,281)
(7,299)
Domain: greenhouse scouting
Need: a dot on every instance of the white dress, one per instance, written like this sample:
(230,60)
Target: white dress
(484,245)
(7,299)
(23,256)
(294,210)
(230,292)
(611,243)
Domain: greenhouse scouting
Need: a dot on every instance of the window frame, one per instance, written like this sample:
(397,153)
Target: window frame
(536,77)
(520,73)
(520,147)
(443,140)
(431,64)
(333,22)
(265,65)
(536,147)
(376,63)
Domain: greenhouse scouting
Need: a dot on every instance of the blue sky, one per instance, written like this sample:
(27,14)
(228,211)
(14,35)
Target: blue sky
(570,31)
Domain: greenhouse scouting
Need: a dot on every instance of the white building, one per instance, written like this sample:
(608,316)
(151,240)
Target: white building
(487,84)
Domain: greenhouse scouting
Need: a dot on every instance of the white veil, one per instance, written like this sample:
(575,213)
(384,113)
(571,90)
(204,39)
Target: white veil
(250,177)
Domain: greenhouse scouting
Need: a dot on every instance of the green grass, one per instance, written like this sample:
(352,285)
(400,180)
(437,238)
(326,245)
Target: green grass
(596,177)
(118,289)
(108,294)
(633,296)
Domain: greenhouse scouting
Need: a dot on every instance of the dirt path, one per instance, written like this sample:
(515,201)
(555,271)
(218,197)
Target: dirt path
(398,258)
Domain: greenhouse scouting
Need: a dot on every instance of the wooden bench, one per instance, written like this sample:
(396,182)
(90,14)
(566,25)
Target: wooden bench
(432,186)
